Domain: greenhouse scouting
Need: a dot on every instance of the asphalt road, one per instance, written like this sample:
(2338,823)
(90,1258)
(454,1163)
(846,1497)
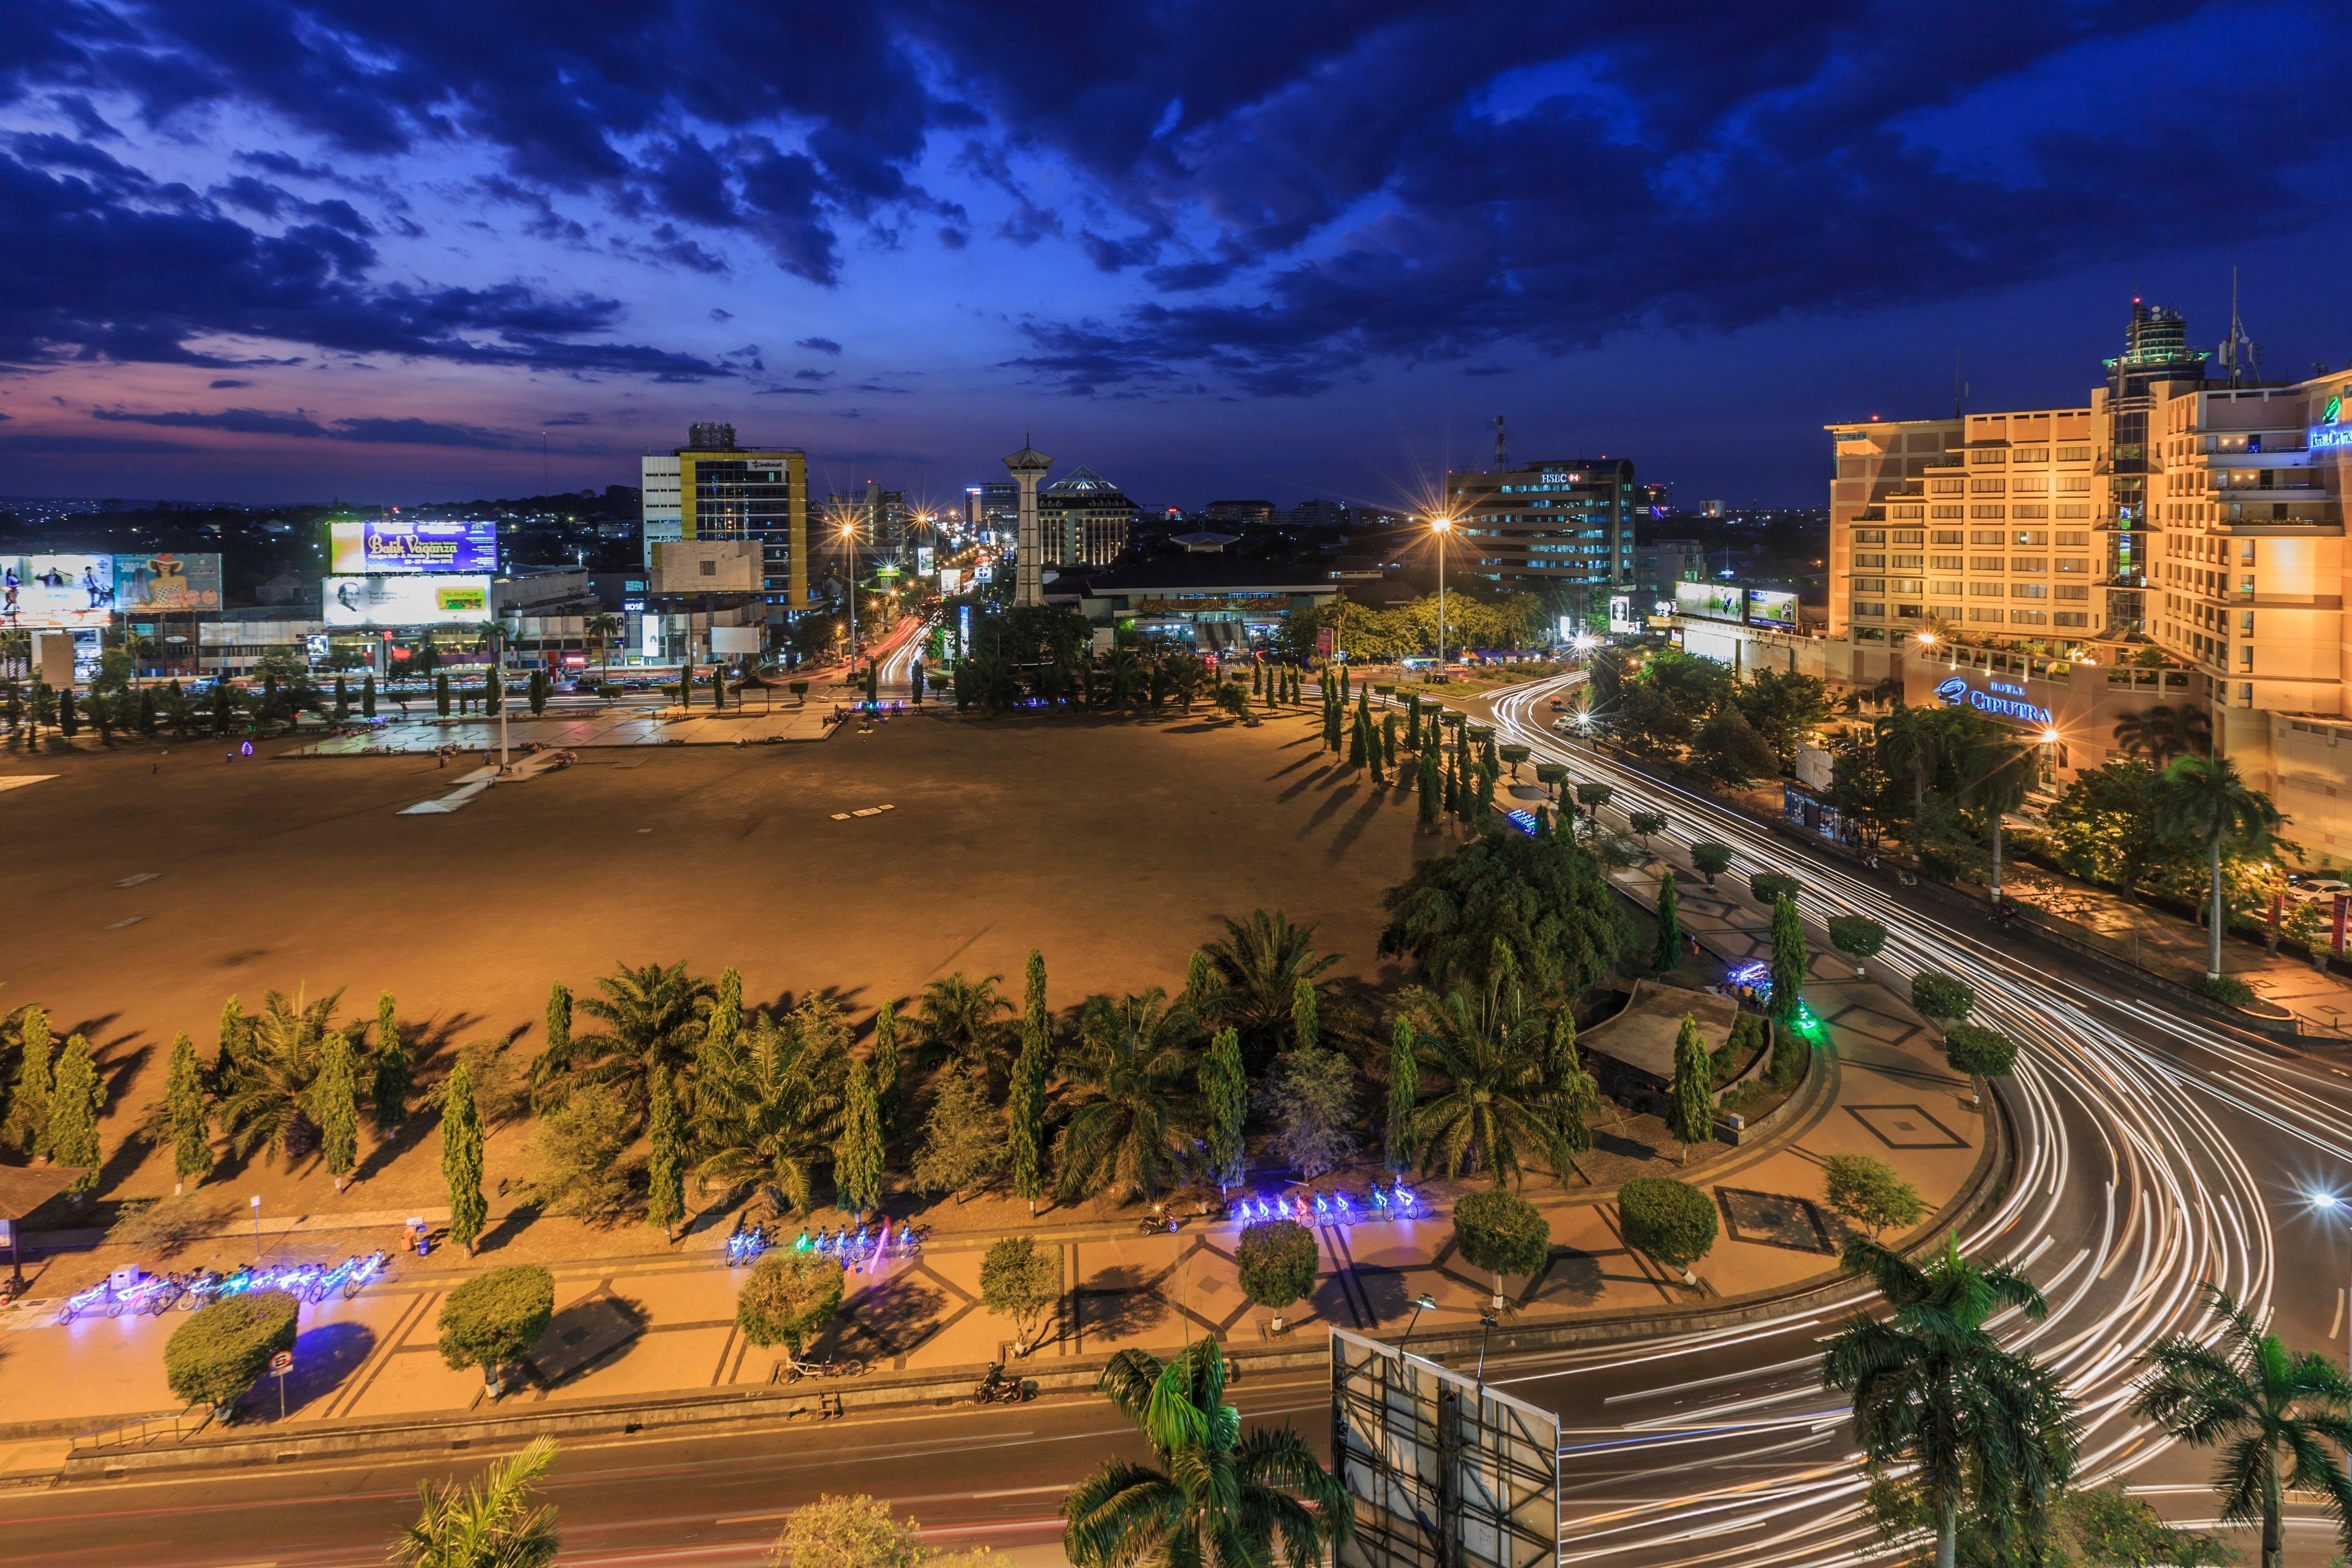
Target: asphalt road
(2157,1152)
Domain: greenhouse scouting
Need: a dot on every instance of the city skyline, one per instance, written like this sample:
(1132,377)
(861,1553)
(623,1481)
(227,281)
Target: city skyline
(328,255)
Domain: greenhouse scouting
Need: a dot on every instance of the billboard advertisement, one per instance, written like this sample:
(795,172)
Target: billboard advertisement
(1710,601)
(407,545)
(1770,608)
(407,601)
(1620,615)
(51,592)
(163,583)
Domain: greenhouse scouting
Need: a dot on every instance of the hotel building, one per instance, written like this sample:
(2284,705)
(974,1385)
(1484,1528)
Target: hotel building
(712,488)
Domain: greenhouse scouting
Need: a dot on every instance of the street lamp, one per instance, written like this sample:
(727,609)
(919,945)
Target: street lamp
(849,540)
(1440,527)
(2328,1203)
(1422,1303)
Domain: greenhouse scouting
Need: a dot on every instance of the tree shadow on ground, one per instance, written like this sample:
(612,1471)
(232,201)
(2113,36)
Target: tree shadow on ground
(510,1226)
(1572,1278)
(1330,808)
(1121,1302)
(324,1355)
(895,1315)
(595,1331)
(1353,829)
(1388,1292)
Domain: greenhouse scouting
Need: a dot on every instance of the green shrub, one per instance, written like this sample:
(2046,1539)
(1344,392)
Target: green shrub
(1868,1192)
(1978,1052)
(1769,885)
(1277,1260)
(490,1320)
(1502,1233)
(1856,936)
(2227,988)
(608,689)
(1019,1281)
(1712,859)
(789,1297)
(225,1347)
(1941,997)
(1672,1221)
(1791,1054)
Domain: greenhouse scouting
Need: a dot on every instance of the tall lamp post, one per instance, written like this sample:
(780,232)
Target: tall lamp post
(1440,527)
(849,540)
(2328,1203)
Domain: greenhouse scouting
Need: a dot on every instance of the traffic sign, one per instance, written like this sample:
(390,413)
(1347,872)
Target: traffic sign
(281,1363)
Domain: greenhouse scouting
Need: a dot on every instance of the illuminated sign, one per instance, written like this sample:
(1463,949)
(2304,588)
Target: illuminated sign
(1710,601)
(1769,607)
(55,591)
(405,544)
(1620,615)
(406,601)
(2331,437)
(2002,699)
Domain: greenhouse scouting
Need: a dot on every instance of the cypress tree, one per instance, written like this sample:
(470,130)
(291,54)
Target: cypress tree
(1488,758)
(388,1090)
(1024,1108)
(1669,956)
(1389,741)
(1430,791)
(538,692)
(1543,822)
(719,1056)
(342,698)
(493,691)
(1225,1083)
(1404,1097)
(1452,790)
(1691,1106)
(335,1105)
(718,686)
(461,1160)
(69,722)
(1331,741)
(367,695)
(1257,680)
(228,1043)
(1305,1024)
(1380,769)
(887,1088)
(441,693)
(1790,960)
(1485,794)
(1574,1094)
(76,1098)
(29,1101)
(858,1158)
(146,711)
(184,1110)
(1032,994)
(559,1021)
(1355,742)
(665,1154)
(221,700)
(1413,721)
(1199,979)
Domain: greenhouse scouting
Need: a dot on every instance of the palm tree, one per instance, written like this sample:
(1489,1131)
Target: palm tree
(1497,1102)
(1187,674)
(602,627)
(655,1014)
(1982,1428)
(1131,1096)
(2205,799)
(1995,778)
(1218,1496)
(1259,965)
(2151,730)
(781,1116)
(267,1103)
(1910,738)
(490,1524)
(2267,1404)
(961,1016)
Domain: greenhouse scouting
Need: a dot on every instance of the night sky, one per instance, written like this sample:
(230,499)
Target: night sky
(375,249)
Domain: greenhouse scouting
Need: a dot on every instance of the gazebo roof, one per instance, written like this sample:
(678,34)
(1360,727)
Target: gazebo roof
(1642,1032)
(24,1188)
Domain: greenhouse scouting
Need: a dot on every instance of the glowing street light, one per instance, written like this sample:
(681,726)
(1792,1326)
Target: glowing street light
(1440,527)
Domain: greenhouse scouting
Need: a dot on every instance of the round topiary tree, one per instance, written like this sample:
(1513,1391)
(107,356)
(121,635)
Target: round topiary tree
(1515,755)
(789,1297)
(223,1350)
(1978,1052)
(1769,886)
(1551,776)
(490,1320)
(1501,1233)
(1711,859)
(1019,1281)
(1941,997)
(1856,936)
(1278,1261)
(1672,1221)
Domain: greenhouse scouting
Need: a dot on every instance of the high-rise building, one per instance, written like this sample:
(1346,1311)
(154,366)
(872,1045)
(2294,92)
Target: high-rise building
(712,488)
(993,508)
(1083,520)
(1563,529)
(1239,511)
(882,519)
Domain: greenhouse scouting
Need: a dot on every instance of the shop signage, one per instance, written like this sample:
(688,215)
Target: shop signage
(2002,699)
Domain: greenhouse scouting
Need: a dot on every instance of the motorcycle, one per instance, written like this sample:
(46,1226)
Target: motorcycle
(997,1388)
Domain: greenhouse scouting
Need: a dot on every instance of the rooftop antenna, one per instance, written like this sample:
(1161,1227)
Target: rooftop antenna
(1502,450)
(1959,387)
(2241,356)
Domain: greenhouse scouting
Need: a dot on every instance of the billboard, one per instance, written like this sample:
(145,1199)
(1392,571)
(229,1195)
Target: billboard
(1620,615)
(1710,601)
(54,591)
(951,581)
(407,545)
(1770,608)
(406,601)
(164,583)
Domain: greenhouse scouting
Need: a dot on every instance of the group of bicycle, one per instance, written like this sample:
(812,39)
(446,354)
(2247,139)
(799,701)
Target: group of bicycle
(853,1244)
(1395,1201)
(156,1294)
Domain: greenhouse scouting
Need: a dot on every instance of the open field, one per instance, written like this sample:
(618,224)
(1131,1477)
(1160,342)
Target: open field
(1113,846)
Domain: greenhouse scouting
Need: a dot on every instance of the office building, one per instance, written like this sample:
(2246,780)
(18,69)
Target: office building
(1561,529)
(993,509)
(1083,520)
(1325,514)
(883,523)
(712,488)
(1239,513)
(1661,564)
